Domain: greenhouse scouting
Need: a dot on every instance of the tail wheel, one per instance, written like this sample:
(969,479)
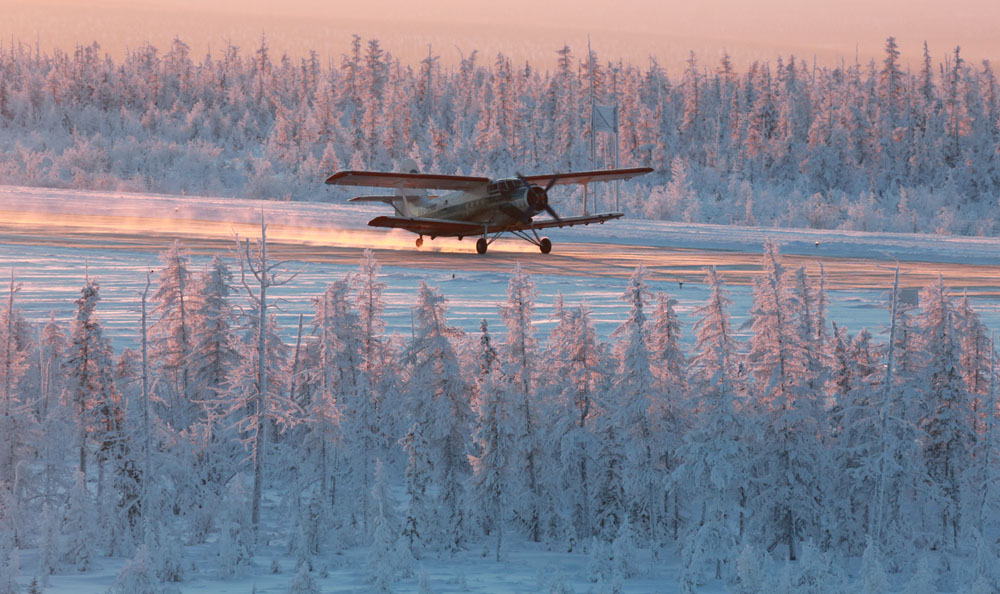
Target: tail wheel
(545,245)
(420,241)
(481,245)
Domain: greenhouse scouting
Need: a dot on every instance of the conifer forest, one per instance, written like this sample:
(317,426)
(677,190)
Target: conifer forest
(867,147)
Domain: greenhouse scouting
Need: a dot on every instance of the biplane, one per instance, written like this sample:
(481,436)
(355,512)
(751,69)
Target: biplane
(480,207)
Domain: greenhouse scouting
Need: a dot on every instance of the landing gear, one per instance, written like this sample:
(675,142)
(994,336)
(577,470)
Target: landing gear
(481,245)
(545,245)
(420,241)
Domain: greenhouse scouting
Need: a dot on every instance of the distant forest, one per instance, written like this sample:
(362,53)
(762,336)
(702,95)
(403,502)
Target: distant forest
(862,146)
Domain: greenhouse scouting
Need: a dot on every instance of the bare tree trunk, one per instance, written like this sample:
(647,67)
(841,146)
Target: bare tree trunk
(147,466)
(261,441)
(261,270)
(7,466)
(790,533)
(295,361)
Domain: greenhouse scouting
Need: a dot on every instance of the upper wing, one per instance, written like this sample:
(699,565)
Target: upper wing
(570,221)
(426,181)
(432,227)
(586,177)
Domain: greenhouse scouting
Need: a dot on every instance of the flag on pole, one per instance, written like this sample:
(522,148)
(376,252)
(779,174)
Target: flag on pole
(606,118)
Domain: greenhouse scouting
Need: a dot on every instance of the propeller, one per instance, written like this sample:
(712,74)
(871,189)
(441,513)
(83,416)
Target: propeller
(538,198)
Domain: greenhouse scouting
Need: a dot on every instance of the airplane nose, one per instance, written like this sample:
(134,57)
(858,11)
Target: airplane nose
(538,198)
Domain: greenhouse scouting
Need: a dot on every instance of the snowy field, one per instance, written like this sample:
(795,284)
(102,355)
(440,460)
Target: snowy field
(53,238)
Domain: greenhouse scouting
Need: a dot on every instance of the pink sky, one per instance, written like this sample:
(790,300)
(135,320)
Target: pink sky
(523,29)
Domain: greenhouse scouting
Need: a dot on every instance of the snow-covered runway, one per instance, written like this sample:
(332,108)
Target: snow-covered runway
(53,238)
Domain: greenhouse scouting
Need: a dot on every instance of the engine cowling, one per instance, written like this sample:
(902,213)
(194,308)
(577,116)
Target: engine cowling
(534,200)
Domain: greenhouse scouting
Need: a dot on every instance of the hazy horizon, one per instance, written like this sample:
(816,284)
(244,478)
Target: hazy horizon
(632,30)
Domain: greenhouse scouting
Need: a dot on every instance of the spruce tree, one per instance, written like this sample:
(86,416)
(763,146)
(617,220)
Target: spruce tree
(715,472)
(520,353)
(494,484)
(947,424)
(439,398)
(632,404)
(786,463)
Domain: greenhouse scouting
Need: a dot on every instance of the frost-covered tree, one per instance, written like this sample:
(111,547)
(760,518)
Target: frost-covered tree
(577,372)
(81,525)
(304,582)
(53,345)
(258,381)
(668,362)
(610,510)
(947,423)
(48,549)
(100,427)
(344,384)
(378,364)
(439,399)
(495,483)
(923,579)
(17,423)
(786,452)
(212,333)
(214,362)
(665,353)
(418,525)
(91,388)
(138,575)
(873,576)
(10,561)
(632,404)
(857,435)
(897,457)
(389,558)
(975,357)
(519,357)
(984,478)
(171,335)
(715,471)
(322,430)
(235,544)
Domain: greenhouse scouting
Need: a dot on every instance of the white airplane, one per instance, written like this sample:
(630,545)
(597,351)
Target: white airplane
(476,205)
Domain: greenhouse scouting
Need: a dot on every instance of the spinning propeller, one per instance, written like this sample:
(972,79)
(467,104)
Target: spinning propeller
(538,198)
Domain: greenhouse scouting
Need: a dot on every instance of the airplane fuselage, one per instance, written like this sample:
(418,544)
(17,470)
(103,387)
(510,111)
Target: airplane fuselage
(501,203)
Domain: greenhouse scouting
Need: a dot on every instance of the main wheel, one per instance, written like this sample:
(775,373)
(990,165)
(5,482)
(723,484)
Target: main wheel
(420,241)
(481,245)
(545,245)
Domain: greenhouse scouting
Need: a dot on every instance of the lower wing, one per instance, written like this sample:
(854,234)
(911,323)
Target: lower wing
(570,221)
(446,228)
(432,227)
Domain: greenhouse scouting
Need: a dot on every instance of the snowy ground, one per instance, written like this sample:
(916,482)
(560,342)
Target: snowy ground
(53,238)
(528,568)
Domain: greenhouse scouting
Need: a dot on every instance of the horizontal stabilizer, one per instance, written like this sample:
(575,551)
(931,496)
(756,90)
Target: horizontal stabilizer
(424,181)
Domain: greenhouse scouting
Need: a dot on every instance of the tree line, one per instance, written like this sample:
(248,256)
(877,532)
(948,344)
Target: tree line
(871,146)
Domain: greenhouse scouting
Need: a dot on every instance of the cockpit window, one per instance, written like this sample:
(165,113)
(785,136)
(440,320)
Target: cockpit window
(504,186)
